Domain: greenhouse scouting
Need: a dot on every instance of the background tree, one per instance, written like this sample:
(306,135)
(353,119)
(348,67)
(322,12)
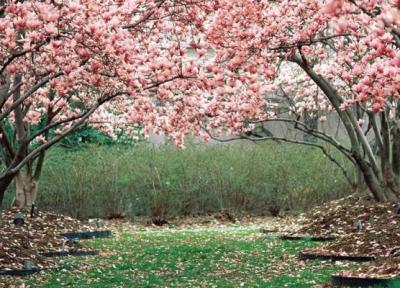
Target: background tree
(336,57)
(67,63)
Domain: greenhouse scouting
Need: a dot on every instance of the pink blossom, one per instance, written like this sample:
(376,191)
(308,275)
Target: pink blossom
(11,68)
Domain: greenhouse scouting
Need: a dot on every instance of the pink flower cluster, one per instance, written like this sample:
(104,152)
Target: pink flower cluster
(353,44)
(133,58)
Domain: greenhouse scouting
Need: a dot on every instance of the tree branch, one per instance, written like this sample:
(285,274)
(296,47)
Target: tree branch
(27,94)
(322,148)
(353,129)
(145,18)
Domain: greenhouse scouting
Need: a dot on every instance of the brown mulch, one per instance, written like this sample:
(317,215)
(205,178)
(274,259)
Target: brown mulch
(38,234)
(338,217)
(388,268)
(377,235)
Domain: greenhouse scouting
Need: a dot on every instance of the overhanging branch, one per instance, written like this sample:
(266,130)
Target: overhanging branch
(273,138)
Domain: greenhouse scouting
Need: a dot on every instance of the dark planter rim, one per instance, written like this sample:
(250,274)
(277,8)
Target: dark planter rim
(69,253)
(87,234)
(25,272)
(311,238)
(267,230)
(338,280)
(316,256)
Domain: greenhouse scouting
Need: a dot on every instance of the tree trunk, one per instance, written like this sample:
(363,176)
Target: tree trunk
(312,122)
(25,189)
(4,183)
(396,144)
(387,190)
(375,187)
(360,186)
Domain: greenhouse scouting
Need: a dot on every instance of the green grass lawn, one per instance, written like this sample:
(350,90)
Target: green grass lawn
(237,256)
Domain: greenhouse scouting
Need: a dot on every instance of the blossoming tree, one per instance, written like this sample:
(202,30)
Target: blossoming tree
(321,57)
(116,65)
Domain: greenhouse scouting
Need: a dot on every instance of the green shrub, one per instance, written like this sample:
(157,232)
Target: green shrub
(112,181)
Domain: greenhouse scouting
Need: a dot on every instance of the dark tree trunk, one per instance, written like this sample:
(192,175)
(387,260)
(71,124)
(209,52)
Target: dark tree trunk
(4,184)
